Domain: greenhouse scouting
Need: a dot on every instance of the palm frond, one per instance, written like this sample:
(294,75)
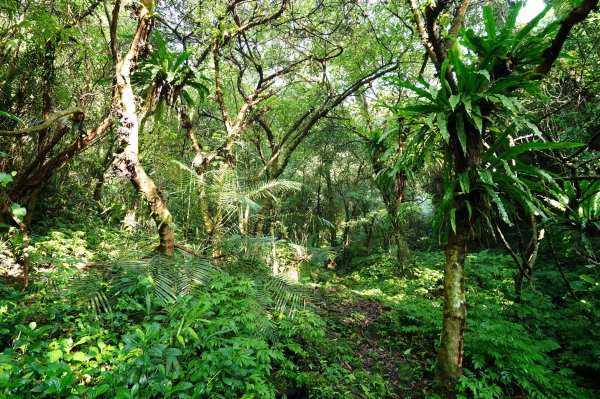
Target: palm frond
(273,188)
(167,277)
(280,293)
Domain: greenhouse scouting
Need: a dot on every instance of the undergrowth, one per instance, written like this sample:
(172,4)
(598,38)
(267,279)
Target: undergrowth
(365,331)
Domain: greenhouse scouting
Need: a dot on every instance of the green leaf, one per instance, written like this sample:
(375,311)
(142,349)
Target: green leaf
(511,20)
(460,131)
(79,357)
(54,356)
(454,99)
(467,104)
(97,391)
(500,205)
(531,25)
(181,59)
(443,126)
(521,148)
(485,74)
(508,103)
(187,98)
(489,21)
(486,177)
(453,219)
(18,211)
(469,208)
(11,117)
(5,179)
(444,83)
(587,279)
(418,109)
(429,121)
(464,182)
(408,85)
(182,386)
(201,89)
(476,117)
(542,175)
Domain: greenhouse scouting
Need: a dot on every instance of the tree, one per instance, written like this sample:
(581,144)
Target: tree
(29,53)
(465,112)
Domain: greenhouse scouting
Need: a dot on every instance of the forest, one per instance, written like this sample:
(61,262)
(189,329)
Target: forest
(299,199)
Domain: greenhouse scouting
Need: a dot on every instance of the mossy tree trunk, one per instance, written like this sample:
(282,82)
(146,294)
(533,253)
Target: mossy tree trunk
(450,356)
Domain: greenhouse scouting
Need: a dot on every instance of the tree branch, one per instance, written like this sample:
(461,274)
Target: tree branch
(576,15)
(40,128)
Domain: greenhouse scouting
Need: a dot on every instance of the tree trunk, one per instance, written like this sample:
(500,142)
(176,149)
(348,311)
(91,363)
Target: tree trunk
(402,251)
(455,310)
(519,286)
(127,160)
(392,204)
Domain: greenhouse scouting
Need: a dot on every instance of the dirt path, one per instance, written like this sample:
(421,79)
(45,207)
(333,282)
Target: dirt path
(356,319)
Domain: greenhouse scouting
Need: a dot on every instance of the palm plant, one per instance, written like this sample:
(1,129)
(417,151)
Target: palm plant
(169,279)
(230,196)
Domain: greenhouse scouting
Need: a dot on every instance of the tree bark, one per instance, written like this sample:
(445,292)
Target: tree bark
(450,356)
(127,160)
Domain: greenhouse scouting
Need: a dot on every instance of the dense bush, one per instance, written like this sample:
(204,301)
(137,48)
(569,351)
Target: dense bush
(215,342)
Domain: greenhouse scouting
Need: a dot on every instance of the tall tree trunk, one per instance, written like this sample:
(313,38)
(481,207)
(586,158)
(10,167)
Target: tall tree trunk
(127,160)
(455,308)
(402,251)
(392,198)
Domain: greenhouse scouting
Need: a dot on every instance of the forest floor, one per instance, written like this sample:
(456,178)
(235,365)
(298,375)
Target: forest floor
(356,318)
(360,319)
(366,331)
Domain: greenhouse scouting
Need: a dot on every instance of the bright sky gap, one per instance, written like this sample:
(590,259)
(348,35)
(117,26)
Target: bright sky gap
(530,10)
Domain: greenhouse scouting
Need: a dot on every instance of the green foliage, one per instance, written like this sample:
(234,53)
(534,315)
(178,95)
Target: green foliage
(510,347)
(131,324)
(164,71)
(536,348)
(212,343)
(484,104)
(579,217)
